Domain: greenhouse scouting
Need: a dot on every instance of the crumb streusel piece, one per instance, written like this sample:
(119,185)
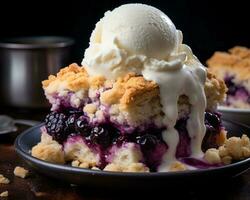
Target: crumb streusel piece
(4,180)
(21,172)
(177,166)
(4,194)
(133,167)
(234,148)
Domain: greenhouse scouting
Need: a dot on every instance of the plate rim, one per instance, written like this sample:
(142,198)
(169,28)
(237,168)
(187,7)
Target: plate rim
(233,110)
(62,167)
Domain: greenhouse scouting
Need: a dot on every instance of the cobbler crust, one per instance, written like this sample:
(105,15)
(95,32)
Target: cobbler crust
(128,92)
(215,90)
(72,78)
(130,89)
(78,150)
(236,61)
(48,150)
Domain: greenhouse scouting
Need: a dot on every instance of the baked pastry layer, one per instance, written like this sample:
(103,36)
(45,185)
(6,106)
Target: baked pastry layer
(129,100)
(234,68)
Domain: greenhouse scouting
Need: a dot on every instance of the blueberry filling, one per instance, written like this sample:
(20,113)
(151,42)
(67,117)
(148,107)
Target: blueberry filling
(213,127)
(81,126)
(198,163)
(183,147)
(100,137)
(236,90)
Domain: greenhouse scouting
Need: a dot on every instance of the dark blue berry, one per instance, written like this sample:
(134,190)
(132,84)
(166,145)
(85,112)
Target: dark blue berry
(70,123)
(147,141)
(232,90)
(82,126)
(212,119)
(119,140)
(55,124)
(210,130)
(100,135)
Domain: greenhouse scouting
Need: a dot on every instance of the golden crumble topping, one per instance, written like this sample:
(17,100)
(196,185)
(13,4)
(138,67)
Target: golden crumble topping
(177,166)
(133,167)
(21,172)
(234,148)
(113,168)
(215,89)
(242,52)
(130,89)
(4,180)
(77,163)
(136,167)
(96,81)
(90,108)
(72,78)
(236,61)
(4,194)
(212,156)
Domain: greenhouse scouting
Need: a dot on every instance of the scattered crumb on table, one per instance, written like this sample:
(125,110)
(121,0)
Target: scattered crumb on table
(21,172)
(4,180)
(4,194)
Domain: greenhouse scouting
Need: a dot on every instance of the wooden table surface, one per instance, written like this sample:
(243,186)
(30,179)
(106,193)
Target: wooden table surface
(37,186)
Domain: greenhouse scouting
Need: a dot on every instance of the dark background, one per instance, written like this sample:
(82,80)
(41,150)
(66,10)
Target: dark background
(207,26)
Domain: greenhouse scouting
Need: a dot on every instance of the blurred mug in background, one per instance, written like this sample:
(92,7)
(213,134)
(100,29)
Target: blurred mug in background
(24,63)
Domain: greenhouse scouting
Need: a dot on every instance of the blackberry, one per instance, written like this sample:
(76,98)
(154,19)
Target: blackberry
(212,120)
(119,139)
(55,124)
(70,123)
(147,141)
(81,126)
(100,135)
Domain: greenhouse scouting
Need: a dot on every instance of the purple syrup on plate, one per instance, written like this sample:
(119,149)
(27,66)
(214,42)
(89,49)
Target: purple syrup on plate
(200,164)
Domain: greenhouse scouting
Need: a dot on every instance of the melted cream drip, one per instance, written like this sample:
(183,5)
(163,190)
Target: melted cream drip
(180,74)
(181,79)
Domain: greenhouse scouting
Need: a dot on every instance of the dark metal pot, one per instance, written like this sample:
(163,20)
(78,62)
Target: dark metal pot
(24,63)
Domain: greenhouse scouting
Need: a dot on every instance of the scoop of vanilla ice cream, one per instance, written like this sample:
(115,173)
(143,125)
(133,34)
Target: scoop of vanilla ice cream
(139,29)
(126,38)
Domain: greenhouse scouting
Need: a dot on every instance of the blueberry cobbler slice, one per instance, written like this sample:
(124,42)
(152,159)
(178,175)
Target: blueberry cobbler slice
(140,102)
(234,68)
(117,126)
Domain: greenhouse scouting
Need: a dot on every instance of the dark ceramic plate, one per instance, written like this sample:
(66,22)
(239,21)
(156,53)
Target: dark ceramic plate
(31,137)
